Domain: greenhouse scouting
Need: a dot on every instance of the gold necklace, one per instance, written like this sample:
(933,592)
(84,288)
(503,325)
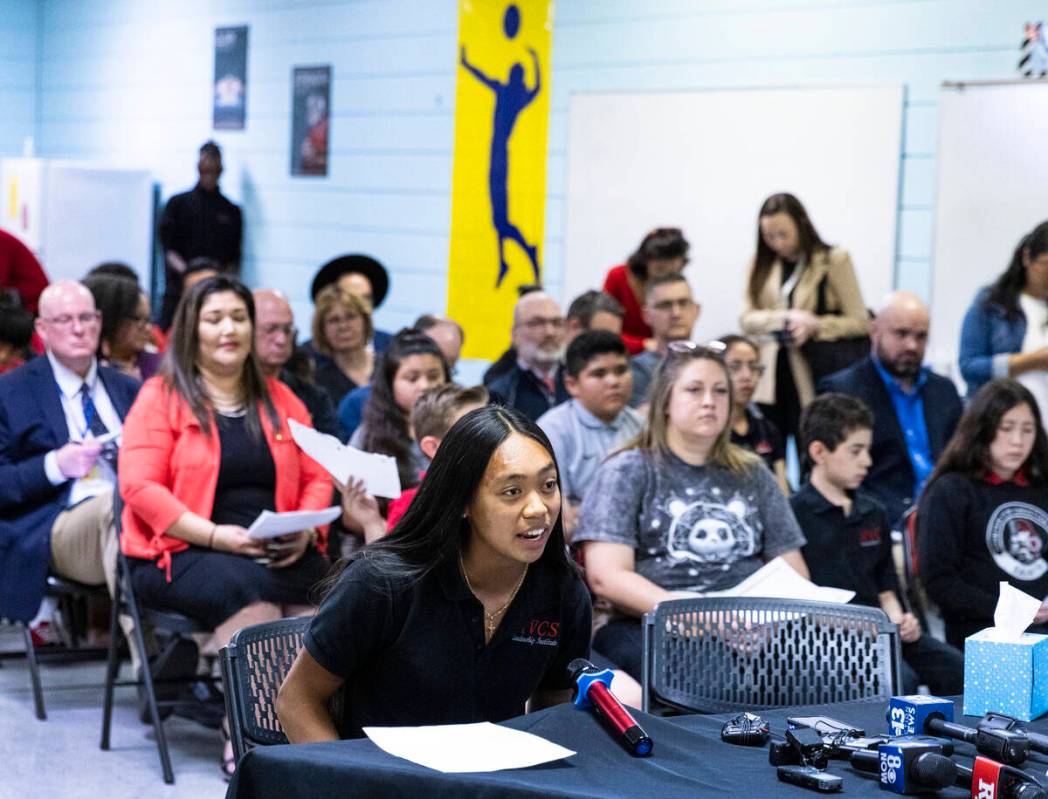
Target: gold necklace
(491,619)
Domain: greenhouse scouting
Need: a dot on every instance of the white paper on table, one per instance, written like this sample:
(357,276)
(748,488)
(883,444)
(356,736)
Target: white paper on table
(779,580)
(379,472)
(461,748)
(270,525)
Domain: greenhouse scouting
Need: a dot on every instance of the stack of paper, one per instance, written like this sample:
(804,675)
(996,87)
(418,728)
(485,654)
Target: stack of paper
(379,472)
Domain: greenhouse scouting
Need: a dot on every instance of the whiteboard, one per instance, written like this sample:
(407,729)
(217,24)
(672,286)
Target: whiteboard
(992,190)
(704,161)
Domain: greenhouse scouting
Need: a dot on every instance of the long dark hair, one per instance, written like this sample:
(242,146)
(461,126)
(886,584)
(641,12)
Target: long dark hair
(182,373)
(1005,290)
(969,450)
(385,424)
(117,300)
(810,240)
(433,530)
(660,244)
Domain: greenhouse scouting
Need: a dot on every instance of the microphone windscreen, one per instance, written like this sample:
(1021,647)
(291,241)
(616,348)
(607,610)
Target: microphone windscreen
(1028,790)
(935,771)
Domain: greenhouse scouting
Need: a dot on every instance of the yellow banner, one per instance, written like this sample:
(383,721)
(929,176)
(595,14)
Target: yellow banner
(498,187)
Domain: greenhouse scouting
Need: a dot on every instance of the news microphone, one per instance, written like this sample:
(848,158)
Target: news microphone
(915,715)
(999,721)
(990,780)
(592,691)
(907,767)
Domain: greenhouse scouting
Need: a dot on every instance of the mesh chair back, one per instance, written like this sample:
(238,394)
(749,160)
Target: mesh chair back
(254,666)
(725,654)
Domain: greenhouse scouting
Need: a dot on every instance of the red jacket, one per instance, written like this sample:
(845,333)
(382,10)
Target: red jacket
(19,270)
(168,466)
(634,328)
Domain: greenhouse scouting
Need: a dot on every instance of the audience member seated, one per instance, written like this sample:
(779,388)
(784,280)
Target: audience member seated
(849,541)
(275,344)
(596,420)
(915,411)
(433,415)
(983,519)
(749,427)
(56,480)
(799,289)
(16,331)
(683,509)
(341,331)
(1004,330)
(200,223)
(362,276)
(507,361)
(663,251)
(126,335)
(20,272)
(672,312)
(432,611)
(157,341)
(197,271)
(411,365)
(537,382)
(592,310)
(206,449)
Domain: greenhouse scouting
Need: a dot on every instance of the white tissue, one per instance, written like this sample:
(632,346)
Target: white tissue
(1014,613)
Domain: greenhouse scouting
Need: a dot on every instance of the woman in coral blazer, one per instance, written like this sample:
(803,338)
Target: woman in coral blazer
(206,448)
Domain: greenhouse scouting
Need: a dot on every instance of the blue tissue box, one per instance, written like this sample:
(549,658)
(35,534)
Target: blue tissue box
(1008,677)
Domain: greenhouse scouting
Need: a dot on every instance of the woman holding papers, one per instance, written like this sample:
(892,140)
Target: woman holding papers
(681,508)
(983,518)
(206,448)
(467,611)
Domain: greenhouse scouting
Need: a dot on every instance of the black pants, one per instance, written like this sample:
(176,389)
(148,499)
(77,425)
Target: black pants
(929,661)
(622,642)
(786,411)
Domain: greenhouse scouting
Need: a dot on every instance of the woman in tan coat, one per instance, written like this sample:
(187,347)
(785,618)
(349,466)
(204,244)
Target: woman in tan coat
(782,299)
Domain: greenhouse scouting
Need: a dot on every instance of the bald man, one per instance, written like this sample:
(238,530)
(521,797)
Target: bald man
(537,382)
(274,346)
(915,410)
(56,474)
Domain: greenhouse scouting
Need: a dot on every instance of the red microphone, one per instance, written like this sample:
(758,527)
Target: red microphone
(591,691)
(989,779)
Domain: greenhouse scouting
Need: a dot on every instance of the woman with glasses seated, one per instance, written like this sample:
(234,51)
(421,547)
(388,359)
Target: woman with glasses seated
(126,333)
(751,429)
(681,508)
(663,251)
(341,332)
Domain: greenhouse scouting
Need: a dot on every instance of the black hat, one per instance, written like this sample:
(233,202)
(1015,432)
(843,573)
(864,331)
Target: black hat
(345,264)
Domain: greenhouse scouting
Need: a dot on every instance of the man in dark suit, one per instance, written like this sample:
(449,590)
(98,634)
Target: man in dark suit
(915,411)
(60,415)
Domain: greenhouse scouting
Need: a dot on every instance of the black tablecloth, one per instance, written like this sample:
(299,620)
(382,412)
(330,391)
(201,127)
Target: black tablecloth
(689,760)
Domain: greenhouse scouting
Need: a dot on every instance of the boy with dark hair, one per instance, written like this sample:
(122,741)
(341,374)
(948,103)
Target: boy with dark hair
(849,538)
(596,419)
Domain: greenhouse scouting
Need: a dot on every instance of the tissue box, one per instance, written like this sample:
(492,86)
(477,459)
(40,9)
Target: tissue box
(1006,675)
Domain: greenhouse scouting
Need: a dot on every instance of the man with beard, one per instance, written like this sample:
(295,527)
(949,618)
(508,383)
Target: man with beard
(915,411)
(537,382)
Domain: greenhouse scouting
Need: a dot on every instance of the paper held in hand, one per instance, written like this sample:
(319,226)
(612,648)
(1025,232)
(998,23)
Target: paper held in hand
(379,472)
(271,525)
(778,580)
(460,748)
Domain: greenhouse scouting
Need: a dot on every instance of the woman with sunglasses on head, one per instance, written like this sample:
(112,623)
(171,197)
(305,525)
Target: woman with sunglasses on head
(681,508)
(800,289)
(751,429)
(469,610)
(663,251)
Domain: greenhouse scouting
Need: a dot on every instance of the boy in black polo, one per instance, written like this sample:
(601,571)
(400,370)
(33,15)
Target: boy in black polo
(849,538)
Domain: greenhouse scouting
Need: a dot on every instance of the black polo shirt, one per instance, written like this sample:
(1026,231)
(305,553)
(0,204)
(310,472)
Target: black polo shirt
(852,552)
(762,438)
(414,653)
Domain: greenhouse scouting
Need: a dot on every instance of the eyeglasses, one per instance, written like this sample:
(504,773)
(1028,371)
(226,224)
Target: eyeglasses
(715,347)
(557,322)
(288,330)
(756,369)
(65,320)
(338,321)
(139,319)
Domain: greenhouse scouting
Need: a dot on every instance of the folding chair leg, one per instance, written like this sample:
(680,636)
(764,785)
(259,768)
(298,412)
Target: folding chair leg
(112,672)
(139,642)
(34,673)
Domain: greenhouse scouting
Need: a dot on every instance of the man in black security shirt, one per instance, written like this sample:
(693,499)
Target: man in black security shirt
(201,222)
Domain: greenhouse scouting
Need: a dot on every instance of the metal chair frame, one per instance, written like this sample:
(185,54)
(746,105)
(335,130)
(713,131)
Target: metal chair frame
(717,655)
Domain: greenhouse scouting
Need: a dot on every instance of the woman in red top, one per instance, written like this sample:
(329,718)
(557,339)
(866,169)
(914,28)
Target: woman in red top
(206,448)
(662,252)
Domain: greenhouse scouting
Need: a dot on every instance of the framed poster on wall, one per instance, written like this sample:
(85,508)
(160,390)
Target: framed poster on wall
(310,115)
(229,96)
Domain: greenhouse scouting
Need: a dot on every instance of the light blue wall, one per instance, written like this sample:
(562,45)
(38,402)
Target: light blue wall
(18,72)
(130,80)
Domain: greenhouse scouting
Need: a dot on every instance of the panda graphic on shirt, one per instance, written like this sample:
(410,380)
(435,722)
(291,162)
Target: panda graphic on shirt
(1017,536)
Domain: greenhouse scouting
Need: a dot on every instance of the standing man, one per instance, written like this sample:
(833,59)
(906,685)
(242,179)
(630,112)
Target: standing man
(200,222)
(671,312)
(536,383)
(56,478)
(915,411)
(274,345)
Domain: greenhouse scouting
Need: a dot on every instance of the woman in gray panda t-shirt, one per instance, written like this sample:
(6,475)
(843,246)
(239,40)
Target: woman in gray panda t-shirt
(681,508)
